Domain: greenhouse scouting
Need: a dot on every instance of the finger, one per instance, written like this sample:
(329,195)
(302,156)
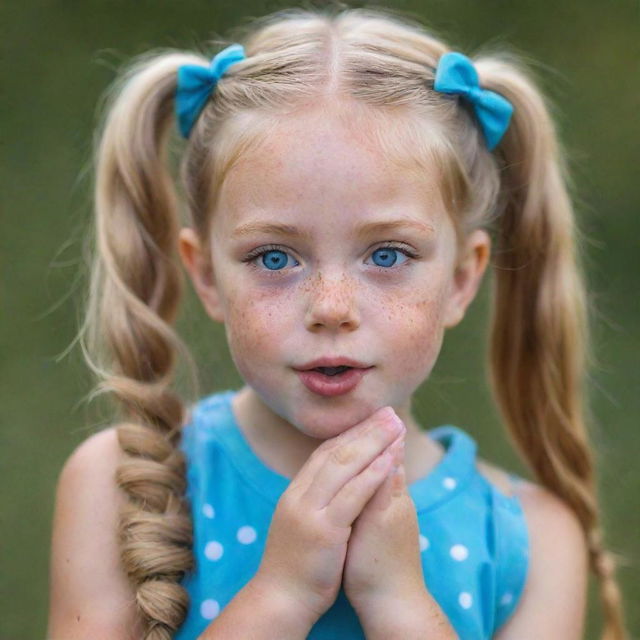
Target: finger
(398,475)
(383,496)
(306,476)
(393,484)
(347,505)
(348,459)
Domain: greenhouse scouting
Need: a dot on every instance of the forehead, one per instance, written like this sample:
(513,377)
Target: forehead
(317,166)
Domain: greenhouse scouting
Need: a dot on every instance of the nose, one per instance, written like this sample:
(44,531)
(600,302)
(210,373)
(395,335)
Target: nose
(332,304)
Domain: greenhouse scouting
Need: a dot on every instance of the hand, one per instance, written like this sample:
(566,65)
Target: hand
(307,541)
(383,561)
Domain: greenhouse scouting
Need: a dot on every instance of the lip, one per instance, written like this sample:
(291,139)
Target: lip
(336,361)
(330,386)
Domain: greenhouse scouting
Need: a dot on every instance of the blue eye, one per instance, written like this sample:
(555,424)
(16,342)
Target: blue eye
(388,255)
(274,258)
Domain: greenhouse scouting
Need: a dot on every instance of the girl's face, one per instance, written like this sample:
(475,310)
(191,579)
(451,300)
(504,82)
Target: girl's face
(340,286)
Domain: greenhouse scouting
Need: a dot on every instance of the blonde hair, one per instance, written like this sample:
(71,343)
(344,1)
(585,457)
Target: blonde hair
(383,66)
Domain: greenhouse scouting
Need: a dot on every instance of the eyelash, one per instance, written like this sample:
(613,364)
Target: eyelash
(256,253)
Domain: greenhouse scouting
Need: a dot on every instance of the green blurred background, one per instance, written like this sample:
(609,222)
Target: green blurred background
(59,57)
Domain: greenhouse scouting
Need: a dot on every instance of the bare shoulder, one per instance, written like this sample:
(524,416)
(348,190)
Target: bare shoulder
(89,592)
(551,522)
(557,577)
(554,529)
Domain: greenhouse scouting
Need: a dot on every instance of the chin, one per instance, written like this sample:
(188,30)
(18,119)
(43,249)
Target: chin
(323,424)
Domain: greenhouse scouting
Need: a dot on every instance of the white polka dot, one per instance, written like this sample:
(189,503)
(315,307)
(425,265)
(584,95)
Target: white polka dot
(506,599)
(465,600)
(424,542)
(449,483)
(246,535)
(213,550)
(208,511)
(209,609)
(459,552)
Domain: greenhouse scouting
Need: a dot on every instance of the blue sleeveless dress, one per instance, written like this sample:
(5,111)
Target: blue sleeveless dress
(473,539)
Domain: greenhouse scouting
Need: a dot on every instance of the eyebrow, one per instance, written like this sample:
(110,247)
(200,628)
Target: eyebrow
(364,230)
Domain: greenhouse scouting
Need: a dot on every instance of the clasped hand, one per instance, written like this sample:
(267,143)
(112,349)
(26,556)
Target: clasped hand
(346,520)
(383,564)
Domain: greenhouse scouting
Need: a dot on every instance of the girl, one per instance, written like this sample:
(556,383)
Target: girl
(346,178)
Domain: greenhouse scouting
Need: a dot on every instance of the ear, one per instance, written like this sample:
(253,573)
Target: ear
(467,276)
(201,271)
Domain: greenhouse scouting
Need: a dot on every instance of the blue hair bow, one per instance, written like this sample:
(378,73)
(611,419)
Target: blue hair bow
(456,74)
(195,84)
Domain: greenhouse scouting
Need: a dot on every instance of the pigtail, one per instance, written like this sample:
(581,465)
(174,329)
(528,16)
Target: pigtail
(136,287)
(539,331)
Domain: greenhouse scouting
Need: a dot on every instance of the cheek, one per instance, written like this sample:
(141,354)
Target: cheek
(254,328)
(416,331)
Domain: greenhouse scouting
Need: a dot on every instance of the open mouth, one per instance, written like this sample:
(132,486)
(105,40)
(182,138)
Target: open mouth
(332,381)
(332,371)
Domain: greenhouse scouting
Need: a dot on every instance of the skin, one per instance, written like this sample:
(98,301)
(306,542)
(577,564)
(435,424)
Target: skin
(333,294)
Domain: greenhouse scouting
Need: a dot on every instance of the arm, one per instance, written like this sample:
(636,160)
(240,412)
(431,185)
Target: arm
(258,612)
(553,602)
(412,617)
(89,594)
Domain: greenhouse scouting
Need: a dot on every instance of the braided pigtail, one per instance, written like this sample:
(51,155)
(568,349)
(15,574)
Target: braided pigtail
(135,290)
(539,332)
